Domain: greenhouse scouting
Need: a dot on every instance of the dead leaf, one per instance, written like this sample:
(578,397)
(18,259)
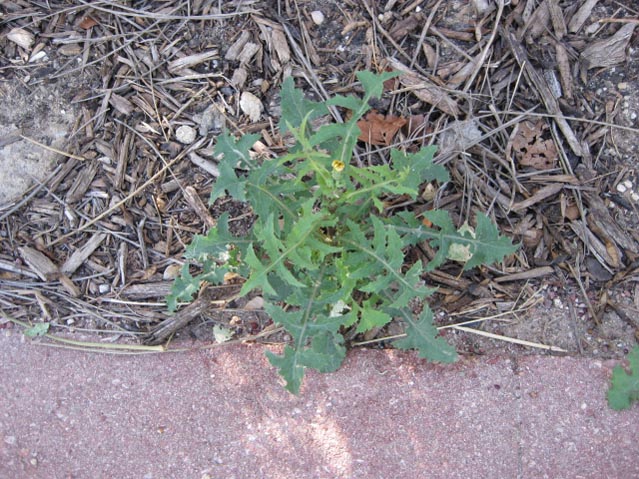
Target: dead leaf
(377,129)
(531,149)
(87,22)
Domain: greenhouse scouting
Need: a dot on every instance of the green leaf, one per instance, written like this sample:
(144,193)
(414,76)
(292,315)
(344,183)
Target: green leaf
(289,368)
(373,83)
(326,354)
(349,102)
(302,323)
(485,247)
(295,107)
(380,259)
(183,288)
(216,243)
(38,329)
(489,247)
(423,336)
(419,165)
(372,318)
(624,387)
(235,155)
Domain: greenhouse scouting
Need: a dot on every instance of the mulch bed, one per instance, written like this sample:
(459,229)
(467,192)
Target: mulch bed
(501,87)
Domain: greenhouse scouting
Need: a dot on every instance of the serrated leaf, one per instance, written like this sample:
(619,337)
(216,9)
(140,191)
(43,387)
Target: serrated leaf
(235,154)
(380,260)
(373,83)
(624,387)
(422,335)
(216,242)
(183,288)
(295,107)
(491,246)
(349,102)
(419,165)
(371,318)
(326,354)
(38,329)
(289,368)
(487,247)
(301,323)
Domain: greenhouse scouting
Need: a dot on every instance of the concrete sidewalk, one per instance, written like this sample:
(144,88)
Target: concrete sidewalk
(223,414)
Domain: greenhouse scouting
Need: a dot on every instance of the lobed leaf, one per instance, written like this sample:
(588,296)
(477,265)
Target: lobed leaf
(295,107)
(422,335)
(183,288)
(235,154)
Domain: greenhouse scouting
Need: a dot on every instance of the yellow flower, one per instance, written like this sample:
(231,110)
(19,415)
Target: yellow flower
(338,165)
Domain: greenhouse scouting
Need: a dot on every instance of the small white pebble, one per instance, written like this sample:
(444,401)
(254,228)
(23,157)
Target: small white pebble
(104,288)
(633,116)
(557,303)
(627,184)
(635,196)
(317,17)
(621,188)
(185,134)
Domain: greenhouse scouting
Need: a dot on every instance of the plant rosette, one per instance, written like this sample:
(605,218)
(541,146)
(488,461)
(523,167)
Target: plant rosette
(322,251)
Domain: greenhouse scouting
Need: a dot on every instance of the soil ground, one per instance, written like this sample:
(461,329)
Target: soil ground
(117,83)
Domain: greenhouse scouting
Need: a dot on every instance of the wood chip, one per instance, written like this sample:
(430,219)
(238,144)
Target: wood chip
(21,37)
(563,65)
(557,18)
(194,200)
(206,165)
(191,60)
(424,89)
(526,275)
(540,195)
(239,77)
(248,52)
(580,17)
(121,104)
(80,255)
(280,45)
(233,53)
(39,263)
(609,52)
(82,182)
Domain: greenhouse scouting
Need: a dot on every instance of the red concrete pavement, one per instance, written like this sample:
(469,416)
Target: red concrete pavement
(223,414)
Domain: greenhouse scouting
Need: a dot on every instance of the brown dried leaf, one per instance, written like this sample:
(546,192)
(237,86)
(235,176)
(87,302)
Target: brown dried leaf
(377,129)
(87,22)
(531,149)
